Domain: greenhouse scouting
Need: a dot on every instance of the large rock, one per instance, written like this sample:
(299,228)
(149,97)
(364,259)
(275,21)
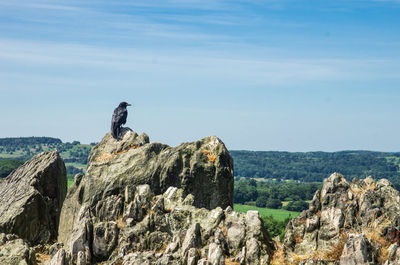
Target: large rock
(15,251)
(203,169)
(350,223)
(31,198)
(172,231)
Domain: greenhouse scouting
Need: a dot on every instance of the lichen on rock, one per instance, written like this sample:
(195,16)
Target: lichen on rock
(31,198)
(348,222)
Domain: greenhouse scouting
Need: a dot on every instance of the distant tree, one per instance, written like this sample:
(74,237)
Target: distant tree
(296,206)
(273,203)
(261,201)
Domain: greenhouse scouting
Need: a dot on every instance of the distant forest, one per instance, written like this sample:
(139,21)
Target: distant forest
(266,165)
(315,166)
(14,151)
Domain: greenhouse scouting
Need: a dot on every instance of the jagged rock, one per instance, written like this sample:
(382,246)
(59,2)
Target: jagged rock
(203,261)
(60,258)
(139,162)
(109,208)
(192,256)
(236,234)
(215,255)
(125,211)
(358,250)
(351,222)
(31,198)
(81,238)
(183,234)
(203,170)
(16,252)
(105,237)
(252,252)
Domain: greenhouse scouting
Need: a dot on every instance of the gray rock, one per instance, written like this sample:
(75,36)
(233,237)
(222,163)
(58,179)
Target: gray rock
(80,240)
(31,198)
(252,252)
(236,235)
(203,261)
(192,256)
(203,169)
(105,238)
(364,211)
(60,258)
(135,161)
(16,252)
(215,255)
(358,250)
(192,238)
(109,208)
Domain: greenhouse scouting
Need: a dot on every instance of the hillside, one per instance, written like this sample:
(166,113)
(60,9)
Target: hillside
(13,151)
(303,167)
(315,166)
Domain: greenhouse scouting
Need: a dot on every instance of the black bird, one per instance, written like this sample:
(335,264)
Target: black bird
(119,118)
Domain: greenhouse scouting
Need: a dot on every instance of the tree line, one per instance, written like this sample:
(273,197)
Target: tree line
(270,194)
(24,148)
(315,166)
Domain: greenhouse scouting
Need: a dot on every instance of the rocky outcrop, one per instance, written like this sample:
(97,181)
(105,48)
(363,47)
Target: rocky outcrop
(203,169)
(167,230)
(143,203)
(31,198)
(15,251)
(347,223)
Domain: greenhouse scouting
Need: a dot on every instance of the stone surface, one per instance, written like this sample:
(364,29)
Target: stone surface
(16,252)
(358,250)
(125,211)
(105,236)
(170,232)
(350,223)
(203,169)
(31,198)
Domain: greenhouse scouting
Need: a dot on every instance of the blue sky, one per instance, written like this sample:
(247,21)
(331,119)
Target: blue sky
(262,75)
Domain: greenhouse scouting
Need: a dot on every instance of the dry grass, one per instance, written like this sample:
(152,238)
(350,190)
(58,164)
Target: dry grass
(132,146)
(104,158)
(278,257)
(210,156)
(120,222)
(119,262)
(336,251)
(162,249)
(224,230)
(42,258)
(358,191)
(108,157)
(298,239)
(331,255)
(374,234)
(228,261)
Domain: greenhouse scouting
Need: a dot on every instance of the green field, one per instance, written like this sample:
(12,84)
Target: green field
(70,181)
(277,214)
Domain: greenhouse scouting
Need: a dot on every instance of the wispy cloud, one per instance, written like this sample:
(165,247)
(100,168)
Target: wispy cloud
(196,66)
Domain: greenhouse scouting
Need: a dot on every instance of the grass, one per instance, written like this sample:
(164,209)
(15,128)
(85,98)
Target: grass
(277,214)
(70,181)
(284,203)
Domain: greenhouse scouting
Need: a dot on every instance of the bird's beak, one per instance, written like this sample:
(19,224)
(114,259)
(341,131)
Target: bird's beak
(129,104)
